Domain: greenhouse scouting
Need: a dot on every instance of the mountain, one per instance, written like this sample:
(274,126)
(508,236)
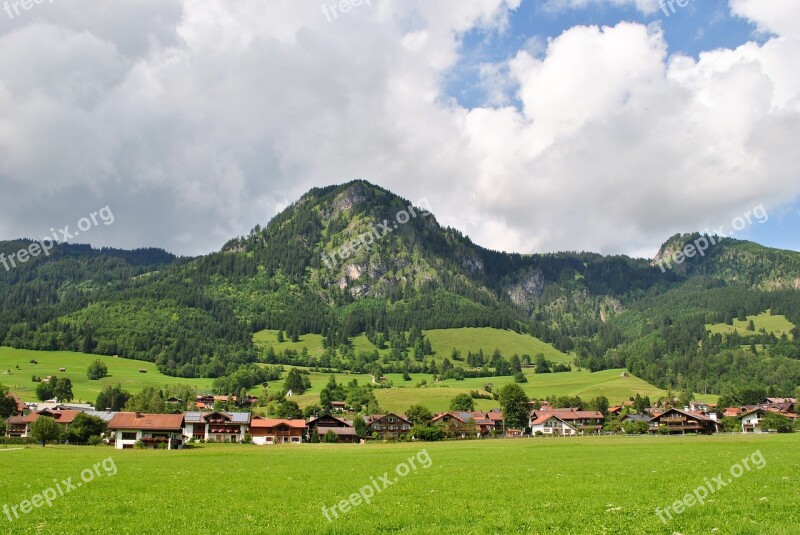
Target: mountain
(355,258)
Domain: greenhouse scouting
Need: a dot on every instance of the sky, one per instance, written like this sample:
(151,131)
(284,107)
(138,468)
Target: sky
(531,126)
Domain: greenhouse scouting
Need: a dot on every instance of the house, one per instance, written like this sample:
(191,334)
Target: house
(699,406)
(616,410)
(151,430)
(583,421)
(496,417)
(750,420)
(731,412)
(549,423)
(20,426)
(484,424)
(269,431)
(635,418)
(216,426)
(343,429)
(683,421)
(338,406)
(388,426)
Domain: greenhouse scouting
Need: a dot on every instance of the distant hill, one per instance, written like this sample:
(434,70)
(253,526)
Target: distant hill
(356,262)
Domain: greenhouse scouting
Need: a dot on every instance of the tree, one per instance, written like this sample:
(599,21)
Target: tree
(44,391)
(519,377)
(297,382)
(419,415)
(288,409)
(462,403)
(774,421)
(8,407)
(330,438)
(360,426)
(97,370)
(45,429)
(312,411)
(314,436)
(83,427)
(514,403)
(635,428)
(542,366)
(600,404)
(427,433)
(731,424)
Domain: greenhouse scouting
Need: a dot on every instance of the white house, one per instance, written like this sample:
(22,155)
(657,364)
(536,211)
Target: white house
(550,424)
(751,419)
(216,426)
(149,429)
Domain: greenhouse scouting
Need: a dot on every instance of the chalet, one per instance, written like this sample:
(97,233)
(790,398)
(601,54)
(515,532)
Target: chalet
(269,431)
(338,406)
(343,429)
(480,419)
(217,426)
(583,421)
(388,426)
(616,410)
(152,430)
(682,421)
(20,426)
(549,423)
(699,406)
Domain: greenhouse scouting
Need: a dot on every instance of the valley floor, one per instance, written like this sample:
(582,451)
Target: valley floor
(610,485)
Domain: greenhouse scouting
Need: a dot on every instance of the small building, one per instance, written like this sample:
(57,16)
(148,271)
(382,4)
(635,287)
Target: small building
(344,435)
(583,421)
(481,420)
(751,419)
(338,406)
(388,426)
(682,421)
(152,430)
(269,431)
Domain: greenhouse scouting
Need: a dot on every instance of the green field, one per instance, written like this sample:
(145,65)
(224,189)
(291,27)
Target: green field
(596,485)
(442,341)
(437,396)
(778,325)
(123,371)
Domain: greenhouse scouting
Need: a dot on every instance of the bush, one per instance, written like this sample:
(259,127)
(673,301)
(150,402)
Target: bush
(17,441)
(427,433)
(248,439)
(636,428)
(330,438)
(95,440)
(140,445)
(97,370)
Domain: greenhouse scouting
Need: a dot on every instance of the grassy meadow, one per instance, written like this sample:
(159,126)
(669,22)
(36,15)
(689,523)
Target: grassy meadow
(597,485)
(778,325)
(122,371)
(442,341)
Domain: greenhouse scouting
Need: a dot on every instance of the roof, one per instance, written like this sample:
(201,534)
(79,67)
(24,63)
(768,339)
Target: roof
(569,414)
(732,411)
(691,414)
(346,423)
(151,422)
(340,431)
(106,416)
(21,407)
(62,417)
(262,423)
(198,417)
(376,417)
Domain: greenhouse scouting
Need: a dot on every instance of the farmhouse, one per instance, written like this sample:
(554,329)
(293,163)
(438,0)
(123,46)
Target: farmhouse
(269,431)
(388,426)
(151,430)
(216,426)
(343,429)
(681,421)
(480,419)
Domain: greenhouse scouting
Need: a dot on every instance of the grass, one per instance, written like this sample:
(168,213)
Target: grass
(610,485)
(442,341)
(778,325)
(122,371)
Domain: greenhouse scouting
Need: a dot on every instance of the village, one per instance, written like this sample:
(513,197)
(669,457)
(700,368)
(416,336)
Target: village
(174,431)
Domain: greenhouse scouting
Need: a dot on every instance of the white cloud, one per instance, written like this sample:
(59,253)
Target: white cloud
(196,120)
(647,7)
